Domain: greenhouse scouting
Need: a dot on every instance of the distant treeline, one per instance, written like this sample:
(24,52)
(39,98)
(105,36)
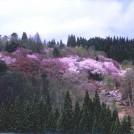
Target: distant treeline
(117,48)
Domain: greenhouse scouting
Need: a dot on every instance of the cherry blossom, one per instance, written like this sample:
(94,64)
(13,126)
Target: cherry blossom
(7,59)
(32,56)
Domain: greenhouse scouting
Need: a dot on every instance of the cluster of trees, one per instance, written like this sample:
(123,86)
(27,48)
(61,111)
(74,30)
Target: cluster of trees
(38,115)
(10,44)
(34,43)
(118,48)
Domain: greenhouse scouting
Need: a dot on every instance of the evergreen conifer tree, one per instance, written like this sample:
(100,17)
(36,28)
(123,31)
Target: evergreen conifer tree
(107,121)
(129,125)
(87,116)
(67,115)
(97,105)
(4,118)
(24,36)
(102,117)
(115,127)
(59,124)
(124,126)
(96,127)
(56,114)
(26,117)
(36,127)
(51,125)
(76,117)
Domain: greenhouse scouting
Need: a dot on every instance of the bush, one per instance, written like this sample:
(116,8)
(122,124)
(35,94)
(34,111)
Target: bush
(56,52)
(3,67)
(11,47)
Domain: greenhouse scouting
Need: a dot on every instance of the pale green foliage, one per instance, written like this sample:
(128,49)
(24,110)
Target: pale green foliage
(79,51)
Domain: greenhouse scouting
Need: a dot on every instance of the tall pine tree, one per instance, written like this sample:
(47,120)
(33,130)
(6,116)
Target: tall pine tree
(67,115)
(76,117)
(86,122)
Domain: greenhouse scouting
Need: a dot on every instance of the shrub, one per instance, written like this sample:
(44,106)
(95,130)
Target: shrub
(11,47)
(56,52)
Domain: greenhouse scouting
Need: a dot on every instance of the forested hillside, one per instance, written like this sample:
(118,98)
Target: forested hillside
(82,86)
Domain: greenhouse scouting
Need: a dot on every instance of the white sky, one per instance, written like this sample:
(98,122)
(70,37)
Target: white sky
(59,18)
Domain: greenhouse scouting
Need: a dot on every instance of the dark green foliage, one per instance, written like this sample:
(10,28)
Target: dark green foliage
(107,121)
(51,124)
(96,125)
(71,42)
(45,84)
(102,117)
(115,128)
(11,46)
(51,43)
(3,67)
(14,35)
(56,114)
(61,45)
(129,124)
(115,124)
(34,44)
(87,116)
(117,48)
(96,104)
(15,118)
(115,116)
(24,36)
(67,115)
(59,124)
(56,52)
(96,110)
(124,126)
(76,117)
(37,115)
(27,116)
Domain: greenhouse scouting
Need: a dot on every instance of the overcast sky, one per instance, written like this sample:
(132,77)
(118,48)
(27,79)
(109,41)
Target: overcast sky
(58,18)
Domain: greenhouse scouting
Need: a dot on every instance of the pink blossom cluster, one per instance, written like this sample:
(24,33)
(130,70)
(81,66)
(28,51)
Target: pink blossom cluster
(32,56)
(76,64)
(95,67)
(7,59)
(53,67)
(72,63)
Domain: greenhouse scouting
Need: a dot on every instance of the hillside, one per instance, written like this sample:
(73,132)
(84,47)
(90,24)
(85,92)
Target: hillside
(44,75)
(87,73)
